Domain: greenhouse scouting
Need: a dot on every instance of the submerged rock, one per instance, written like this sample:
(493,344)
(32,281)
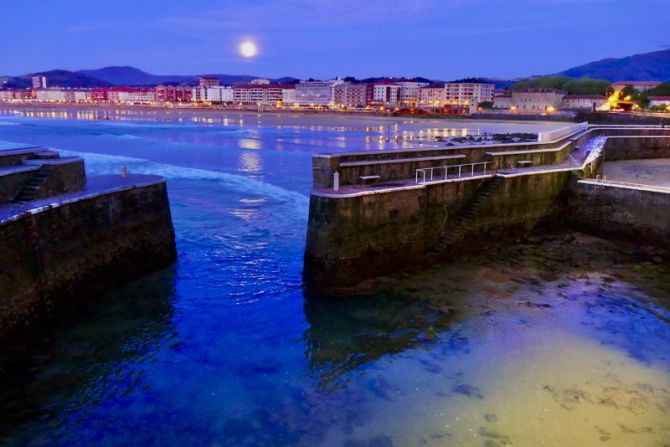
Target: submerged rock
(468,390)
(490,417)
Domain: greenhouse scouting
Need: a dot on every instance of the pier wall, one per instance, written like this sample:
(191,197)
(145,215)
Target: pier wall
(362,232)
(56,257)
(67,176)
(12,182)
(353,239)
(635,214)
(636,147)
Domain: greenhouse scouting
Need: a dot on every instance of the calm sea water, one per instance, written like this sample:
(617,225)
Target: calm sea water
(553,342)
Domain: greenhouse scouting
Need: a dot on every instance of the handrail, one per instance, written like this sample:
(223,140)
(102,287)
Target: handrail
(461,171)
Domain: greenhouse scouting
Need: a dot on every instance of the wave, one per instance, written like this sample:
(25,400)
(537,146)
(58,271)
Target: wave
(100,164)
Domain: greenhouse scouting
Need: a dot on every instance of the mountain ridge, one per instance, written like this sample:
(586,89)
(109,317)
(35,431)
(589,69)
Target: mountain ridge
(651,66)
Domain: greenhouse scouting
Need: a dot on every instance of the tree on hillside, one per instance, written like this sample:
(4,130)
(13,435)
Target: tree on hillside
(662,89)
(572,86)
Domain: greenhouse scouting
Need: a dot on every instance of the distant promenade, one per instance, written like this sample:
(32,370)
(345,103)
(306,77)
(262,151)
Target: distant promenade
(223,110)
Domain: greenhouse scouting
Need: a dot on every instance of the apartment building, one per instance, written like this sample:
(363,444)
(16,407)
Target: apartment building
(386,92)
(171,93)
(259,94)
(433,95)
(409,91)
(131,95)
(468,93)
(315,93)
(218,93)
(537,100)
(348,94)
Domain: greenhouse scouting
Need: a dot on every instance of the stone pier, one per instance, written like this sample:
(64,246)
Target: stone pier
(401,210)
(65,238)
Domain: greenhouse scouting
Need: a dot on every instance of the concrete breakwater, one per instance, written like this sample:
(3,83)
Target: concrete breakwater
(403,210)
(76,238)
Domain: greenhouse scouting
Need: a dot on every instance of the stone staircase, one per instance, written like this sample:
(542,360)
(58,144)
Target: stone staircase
(30,189)
(467,214)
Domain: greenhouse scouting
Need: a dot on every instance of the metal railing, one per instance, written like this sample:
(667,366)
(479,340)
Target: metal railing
(441,173)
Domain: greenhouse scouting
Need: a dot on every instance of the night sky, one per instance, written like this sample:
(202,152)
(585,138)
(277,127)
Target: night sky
(440,39)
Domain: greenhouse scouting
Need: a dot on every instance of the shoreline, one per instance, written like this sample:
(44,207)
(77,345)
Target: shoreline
(219,111)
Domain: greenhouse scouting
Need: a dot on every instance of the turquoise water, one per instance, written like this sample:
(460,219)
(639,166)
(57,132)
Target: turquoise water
(556,342)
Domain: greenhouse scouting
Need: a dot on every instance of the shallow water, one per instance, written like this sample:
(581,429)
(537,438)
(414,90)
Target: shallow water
(553,342)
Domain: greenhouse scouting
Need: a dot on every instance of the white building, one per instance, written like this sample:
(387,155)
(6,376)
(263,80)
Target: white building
(259,94)
(6,95)
(433,95)
(584,102)
(260,81)
(386,92)
(50,95)
(219,93)
(39,82)
(288,96)
(199,94)
(131,95)
(315,93)
(468,93)
(537,100)
(502,101)
(409,91)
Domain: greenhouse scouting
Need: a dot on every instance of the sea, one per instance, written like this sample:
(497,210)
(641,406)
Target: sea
(561,339)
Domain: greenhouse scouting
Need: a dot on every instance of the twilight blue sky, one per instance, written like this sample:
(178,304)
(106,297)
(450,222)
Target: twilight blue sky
(440,39)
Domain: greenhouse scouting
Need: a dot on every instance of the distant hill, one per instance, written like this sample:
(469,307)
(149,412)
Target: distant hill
(57,78)
(391,78)
(130,76)
(654,66)
(122,76)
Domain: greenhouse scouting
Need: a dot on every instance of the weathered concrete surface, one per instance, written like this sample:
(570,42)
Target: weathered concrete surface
(538,157)
(621,212)
(68,175)
(636,147)
(12,181)
(352,240)
(55,257)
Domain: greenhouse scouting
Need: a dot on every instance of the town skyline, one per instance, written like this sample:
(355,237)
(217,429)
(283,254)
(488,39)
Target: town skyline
(320,39)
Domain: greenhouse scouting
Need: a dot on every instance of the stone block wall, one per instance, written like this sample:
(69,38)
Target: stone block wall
(619,212)
(65,177)
(59,257)
(355,239)
(635,148)
(12,183)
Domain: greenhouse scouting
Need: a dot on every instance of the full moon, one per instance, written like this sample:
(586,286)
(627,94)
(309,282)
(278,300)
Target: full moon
(248,49)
